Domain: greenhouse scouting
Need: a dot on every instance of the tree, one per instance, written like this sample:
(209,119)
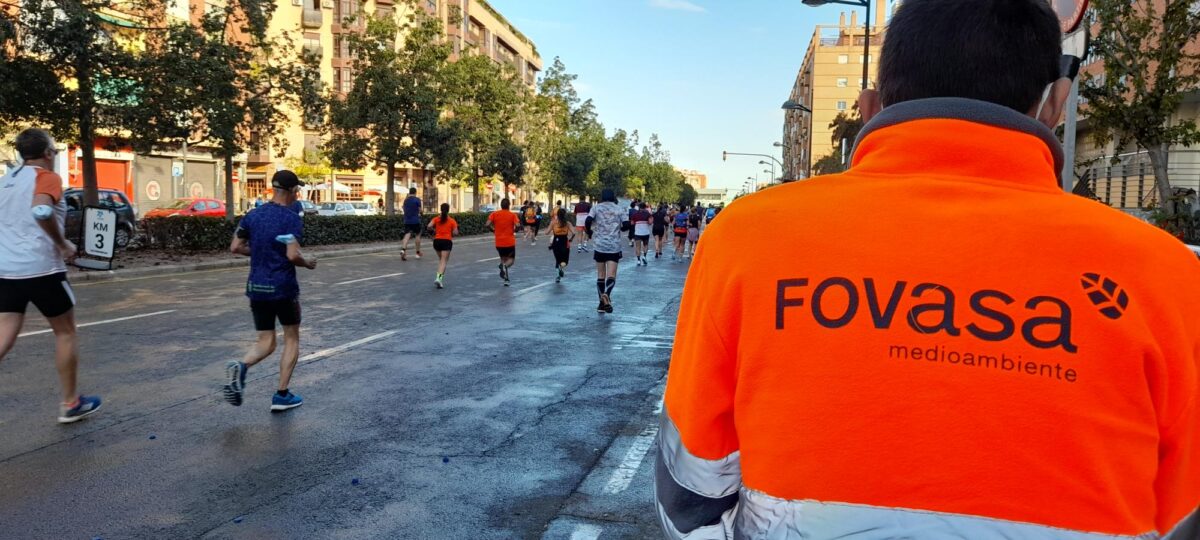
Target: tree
(508,162)
(483,98)
(687,195)
(49,42)
(1148,71)
(844,131)
(313,167)
(229,83)
(390,115)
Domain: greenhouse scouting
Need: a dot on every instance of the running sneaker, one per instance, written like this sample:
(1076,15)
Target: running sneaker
(438,282)
(504,273)
(283,403)
(236,374)
(84,405)
(418,255)
(561,273)
(403,254)
(606,303)
(600,308)
(501,270)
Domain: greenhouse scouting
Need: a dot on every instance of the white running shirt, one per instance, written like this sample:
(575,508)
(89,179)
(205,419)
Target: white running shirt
(26,251)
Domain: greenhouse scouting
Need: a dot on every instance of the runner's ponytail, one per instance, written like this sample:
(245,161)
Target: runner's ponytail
(445,212)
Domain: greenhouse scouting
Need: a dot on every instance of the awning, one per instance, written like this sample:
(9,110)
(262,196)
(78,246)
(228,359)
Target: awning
(337,186)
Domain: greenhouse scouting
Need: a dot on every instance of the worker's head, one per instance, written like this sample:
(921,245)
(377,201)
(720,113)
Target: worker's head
(35,144)
(286,186)
(505,204)
(1005,52)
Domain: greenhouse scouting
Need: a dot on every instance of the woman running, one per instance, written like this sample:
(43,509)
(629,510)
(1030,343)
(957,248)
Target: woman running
(693,231)
(562,235)
(444,228)
(681,230)
(659,228)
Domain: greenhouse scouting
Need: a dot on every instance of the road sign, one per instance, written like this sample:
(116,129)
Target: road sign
(1070,12)
(153,190)
(176,169)
(99,232)
(196,190)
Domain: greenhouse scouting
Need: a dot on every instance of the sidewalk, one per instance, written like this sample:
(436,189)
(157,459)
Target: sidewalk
(153,262)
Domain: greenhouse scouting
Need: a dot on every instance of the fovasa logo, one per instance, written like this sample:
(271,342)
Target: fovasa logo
(1109,297)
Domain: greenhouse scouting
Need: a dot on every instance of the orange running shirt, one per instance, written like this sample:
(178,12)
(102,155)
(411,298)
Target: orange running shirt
(504,222)
(443,229)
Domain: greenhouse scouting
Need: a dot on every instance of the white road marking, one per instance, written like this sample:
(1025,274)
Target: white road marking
(585,532)
(527,289)
(334,350)
(486,260)
(623,475)
(370,278)
(109,321)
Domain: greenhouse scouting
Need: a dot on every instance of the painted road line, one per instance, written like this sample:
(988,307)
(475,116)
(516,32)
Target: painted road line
(486,260)
(585,532)
(623,475)
(369,278)
(109,321)
(535,287)
(334,350)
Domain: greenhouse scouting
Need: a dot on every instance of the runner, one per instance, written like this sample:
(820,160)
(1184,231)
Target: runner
(659,229)
(562,235)
(633,207)
(270,235)
(607,221)
(681,230)
(504,224)
(695,221)
(444,228)
(530,215)
(582,209)
(412,223)
(641,219)
(32,267)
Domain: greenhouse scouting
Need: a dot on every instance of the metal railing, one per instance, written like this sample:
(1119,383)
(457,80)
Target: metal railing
(1129,183)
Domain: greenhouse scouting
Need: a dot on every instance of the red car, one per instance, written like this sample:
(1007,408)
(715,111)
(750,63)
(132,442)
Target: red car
(190,207)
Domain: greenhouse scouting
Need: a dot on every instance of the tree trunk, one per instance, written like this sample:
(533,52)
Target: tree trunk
(389,198)
(87,128)
(1158,160)
(229,188)
(475,191)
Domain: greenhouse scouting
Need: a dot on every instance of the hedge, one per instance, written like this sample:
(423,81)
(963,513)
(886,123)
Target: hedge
(208,233)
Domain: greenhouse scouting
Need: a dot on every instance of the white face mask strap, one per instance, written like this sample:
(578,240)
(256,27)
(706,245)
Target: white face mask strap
(1045,98)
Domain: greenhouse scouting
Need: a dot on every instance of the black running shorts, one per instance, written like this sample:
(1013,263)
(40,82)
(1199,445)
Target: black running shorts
(602,257)
(267,311)
(414,228)
(441,245)
(51,295)
(507,252)
(660,231)
(645,239)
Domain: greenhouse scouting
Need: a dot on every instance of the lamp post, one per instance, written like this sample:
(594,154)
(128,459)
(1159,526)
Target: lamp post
(866,4)
(772,171)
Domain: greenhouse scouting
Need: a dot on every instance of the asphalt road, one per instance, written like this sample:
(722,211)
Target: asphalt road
(477,411)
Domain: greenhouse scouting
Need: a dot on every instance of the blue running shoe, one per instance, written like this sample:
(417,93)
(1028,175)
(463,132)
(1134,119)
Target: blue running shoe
(236,373)
(283,403)
(84,406)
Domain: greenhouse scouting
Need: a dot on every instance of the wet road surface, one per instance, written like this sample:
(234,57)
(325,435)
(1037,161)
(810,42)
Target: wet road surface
(477,411)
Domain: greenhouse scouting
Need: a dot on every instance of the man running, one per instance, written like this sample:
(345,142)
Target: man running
(607,221)
(530,215)
(641,219)
(659,229)
(504,224)
(681,232)
(582,209)
(412,223)
(32,215)
(270,235)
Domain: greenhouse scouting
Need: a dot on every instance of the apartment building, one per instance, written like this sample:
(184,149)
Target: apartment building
(696,179)
(828,82)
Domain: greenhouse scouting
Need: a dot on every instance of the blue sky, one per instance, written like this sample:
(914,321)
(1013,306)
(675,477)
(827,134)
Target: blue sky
(706,75)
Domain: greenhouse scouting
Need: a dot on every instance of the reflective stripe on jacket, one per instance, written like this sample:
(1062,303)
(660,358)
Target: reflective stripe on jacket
(946,345)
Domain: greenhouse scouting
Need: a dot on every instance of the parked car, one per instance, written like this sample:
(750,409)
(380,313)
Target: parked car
(336,209)
(110,199)
(190,207)
(364,209)
(308,208)
(488,208)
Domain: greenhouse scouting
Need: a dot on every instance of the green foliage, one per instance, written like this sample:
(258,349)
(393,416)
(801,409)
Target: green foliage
(845,127)
(483,99)
(508,162)
(390,116)
(1148,71)
(191,233)
(687,195)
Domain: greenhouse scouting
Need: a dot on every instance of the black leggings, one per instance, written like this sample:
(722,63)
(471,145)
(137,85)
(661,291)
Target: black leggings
(561,249)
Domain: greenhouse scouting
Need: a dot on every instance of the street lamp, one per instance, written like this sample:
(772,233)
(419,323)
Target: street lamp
(866,4)
(772,171)
(791,105)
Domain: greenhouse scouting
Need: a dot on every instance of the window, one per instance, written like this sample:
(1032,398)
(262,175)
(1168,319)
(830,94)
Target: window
(385,11)
(343,80)
(214,205)
(843,59)
(841,105)
(841,82)
(431,5)
(198,207)
(341,47)
(312,44)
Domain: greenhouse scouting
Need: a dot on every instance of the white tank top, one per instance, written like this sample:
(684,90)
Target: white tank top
(26,251)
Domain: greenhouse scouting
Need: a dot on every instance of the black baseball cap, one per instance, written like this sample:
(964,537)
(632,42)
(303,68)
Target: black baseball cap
(285,179)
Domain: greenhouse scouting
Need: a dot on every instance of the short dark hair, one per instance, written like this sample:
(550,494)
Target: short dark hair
(505,204)
(1000,51)
(412,191)
(33,143)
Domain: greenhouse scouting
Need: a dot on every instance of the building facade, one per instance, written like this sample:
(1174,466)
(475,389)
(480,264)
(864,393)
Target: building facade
(696,179)
(828,82)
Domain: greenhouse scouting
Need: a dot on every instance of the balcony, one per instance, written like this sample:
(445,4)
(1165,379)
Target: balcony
(312,17)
